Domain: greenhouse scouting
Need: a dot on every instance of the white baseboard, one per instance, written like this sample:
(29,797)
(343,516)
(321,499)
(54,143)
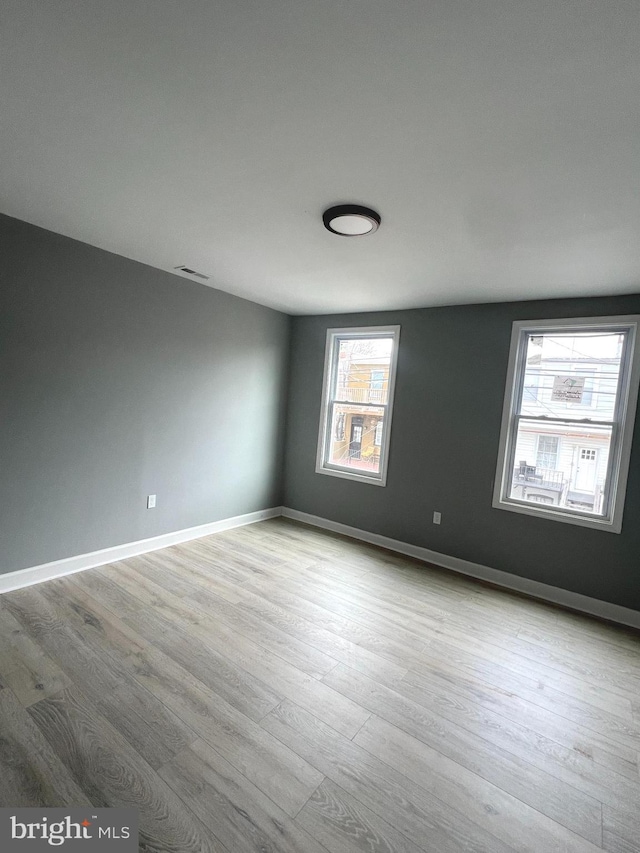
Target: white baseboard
(573,600)
(555,595)
(48,571)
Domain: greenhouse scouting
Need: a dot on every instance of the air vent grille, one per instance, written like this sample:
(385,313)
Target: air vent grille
(189,271)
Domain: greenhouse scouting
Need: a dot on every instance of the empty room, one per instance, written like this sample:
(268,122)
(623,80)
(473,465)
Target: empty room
(319,456)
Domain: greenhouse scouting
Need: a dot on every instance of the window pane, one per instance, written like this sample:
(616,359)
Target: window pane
(572,375)
(563,465)
(363,370)
(547,455)
(352,441)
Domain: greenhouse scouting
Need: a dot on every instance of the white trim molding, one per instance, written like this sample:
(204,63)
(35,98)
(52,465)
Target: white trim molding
(575,601)
(331,359)
(620,424)
(531,588)
(70,565)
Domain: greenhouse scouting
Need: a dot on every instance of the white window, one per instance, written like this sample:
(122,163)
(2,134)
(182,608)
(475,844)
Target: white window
(590,378)
(547,456)
(564,451)
(357,403)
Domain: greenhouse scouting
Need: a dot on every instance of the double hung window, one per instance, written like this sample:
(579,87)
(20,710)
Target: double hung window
(357,403)
(564,450)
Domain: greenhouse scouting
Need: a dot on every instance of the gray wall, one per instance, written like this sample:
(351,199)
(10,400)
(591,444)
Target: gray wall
(118,380)
(444,444)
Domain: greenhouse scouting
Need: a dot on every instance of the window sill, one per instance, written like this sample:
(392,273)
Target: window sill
(595,523)
(376,480)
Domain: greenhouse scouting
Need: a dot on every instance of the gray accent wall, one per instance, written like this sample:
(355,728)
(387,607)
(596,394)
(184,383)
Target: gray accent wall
(452,367)
(117,381)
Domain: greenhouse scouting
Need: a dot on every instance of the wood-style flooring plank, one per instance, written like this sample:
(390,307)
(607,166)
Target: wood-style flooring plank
(31,774)
(437,683)
(621,830)
(236,812)
(282,774)
(614,843)
(349,610)
(281,689)
(176,570)
(254,666)
(104,765)
(291,630)
(415,812)
(228,622)
(597,694)
(406,614)
(26,668)
(343,825)
(150,727)
(603,713)
(513,771)
(592,648)
(569,765)
(165,631)
(269,764)
(234,559)
(403,649)
(518,825)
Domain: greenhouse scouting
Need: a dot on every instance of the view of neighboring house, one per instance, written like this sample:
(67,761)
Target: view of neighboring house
(362,391)
(564,432)
(570,381)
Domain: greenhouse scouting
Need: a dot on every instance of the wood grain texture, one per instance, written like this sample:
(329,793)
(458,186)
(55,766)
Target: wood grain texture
(506,816)
(621,830)
(269,764)
(279,689)
(230,664)
(27,669)
(608,740)
(384,791)
(154,731)
(31,774)
(454,721)
(164,631)
(112,774)
(258,615)
(344,825)
(237,812)
(202,712)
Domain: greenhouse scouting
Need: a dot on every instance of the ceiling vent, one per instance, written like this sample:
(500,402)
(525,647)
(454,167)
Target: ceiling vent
(189,271)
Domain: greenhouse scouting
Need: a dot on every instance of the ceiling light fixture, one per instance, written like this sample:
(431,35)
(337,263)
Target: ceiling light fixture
(351,220)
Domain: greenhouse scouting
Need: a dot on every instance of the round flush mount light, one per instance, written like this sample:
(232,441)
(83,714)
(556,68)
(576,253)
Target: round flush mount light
(351,220)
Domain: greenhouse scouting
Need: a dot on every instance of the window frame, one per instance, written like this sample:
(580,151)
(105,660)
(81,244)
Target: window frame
(623,420)
(543,452)
(334,336)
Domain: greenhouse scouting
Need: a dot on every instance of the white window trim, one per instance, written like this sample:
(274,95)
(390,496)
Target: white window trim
(625,415)
(330,366)
(558,448)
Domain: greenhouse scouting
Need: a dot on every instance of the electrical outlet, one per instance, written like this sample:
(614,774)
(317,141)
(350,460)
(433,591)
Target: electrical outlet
(151,501)
(437,517)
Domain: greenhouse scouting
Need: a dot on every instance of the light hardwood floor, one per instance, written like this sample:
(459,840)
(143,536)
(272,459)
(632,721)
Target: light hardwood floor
(276,689)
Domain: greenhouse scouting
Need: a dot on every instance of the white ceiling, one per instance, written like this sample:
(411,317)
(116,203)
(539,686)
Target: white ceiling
(498,139)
